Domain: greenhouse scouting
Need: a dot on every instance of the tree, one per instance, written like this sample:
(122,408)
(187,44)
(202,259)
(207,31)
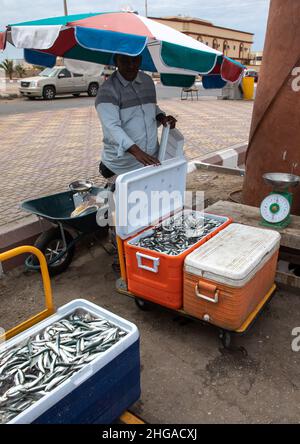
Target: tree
(20,70)
(8,66)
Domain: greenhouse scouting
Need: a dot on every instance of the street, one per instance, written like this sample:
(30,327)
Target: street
(45,145)
(24,105)
(200,248)
(187,377)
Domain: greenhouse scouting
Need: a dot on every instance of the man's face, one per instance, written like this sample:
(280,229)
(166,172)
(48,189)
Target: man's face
(128,66)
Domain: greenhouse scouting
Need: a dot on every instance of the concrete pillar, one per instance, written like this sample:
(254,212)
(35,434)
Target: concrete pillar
(274,144)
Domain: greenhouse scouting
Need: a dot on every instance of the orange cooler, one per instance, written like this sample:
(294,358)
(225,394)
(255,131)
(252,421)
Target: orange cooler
(227,278)
(153,276)
(156,276)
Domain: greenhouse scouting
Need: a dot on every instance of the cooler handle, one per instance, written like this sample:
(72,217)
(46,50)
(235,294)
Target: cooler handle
(207,287)
(155,261)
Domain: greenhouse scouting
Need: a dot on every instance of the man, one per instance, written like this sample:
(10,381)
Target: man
(126,105)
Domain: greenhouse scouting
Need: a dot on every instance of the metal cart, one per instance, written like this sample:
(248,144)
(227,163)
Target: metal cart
(224,335)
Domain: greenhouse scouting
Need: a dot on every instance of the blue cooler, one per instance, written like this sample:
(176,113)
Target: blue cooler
(99,392)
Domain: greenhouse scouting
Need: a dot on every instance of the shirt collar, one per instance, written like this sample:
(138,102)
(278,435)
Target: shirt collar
(126,82)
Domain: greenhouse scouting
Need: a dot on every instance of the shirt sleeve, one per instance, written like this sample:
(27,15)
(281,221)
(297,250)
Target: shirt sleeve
(109,115)
(159,111)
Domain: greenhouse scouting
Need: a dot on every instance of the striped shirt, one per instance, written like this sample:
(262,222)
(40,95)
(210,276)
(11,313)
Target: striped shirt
(127,111)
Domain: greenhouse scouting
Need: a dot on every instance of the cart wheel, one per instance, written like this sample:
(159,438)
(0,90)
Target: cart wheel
(51,244)
(141,304)
(225,337)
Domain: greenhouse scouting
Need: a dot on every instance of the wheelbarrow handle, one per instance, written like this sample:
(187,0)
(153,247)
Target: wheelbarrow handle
(47,289)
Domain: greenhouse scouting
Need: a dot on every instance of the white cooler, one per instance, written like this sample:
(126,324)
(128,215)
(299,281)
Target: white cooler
(226,278)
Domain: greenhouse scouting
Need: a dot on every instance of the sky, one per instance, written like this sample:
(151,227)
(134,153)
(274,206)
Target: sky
(246,15)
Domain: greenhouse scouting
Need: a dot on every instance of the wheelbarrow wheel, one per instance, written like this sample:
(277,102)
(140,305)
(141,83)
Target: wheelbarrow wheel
(51,244)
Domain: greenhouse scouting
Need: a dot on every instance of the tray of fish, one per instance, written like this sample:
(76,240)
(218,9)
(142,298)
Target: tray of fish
(178,233)
(42,360)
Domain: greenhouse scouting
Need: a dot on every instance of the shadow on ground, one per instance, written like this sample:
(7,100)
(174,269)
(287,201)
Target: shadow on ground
(186,376)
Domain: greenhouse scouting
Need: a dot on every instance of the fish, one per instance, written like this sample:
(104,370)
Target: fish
(30,371)
(177,234)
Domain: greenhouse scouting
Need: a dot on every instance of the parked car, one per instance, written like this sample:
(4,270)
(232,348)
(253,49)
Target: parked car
(252,73)
(59,80)
(108,70)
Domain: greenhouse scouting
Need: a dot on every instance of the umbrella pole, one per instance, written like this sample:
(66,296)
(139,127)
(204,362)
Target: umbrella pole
(146,8)
(65,7)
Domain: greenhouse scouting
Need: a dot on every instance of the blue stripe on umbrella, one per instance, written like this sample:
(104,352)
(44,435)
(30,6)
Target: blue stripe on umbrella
(213,81)
(235,62)
(147,62)
(39,58)
(109,41)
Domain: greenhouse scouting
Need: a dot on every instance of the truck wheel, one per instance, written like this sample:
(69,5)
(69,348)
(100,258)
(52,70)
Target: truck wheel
(51,244)
(93,89)
(49,92)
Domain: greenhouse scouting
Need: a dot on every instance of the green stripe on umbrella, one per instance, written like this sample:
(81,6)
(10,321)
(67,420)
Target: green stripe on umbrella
(187,58)
(177,80)
(62,20)
(86,55)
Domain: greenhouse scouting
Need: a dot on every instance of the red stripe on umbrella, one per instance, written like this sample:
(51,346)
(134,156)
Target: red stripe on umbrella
(216,70)
(230,71)
(2,40)
(64,42)
(125,22)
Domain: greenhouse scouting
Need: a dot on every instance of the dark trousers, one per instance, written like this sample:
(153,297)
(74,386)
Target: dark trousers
(110,184)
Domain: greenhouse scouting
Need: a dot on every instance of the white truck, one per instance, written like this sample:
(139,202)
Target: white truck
(59,80)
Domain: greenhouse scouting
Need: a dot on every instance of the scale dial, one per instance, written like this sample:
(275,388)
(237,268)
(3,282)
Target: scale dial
(275,208)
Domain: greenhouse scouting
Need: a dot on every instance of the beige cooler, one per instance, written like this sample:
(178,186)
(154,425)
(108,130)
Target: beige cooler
(228,277)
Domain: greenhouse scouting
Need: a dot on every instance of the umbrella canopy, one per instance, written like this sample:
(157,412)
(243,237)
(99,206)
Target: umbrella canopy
(95,38)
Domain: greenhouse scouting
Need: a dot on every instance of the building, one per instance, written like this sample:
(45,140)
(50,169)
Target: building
(256,60)
(233,43)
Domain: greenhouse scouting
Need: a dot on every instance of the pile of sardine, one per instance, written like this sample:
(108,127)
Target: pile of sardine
(177,234)
(30,371)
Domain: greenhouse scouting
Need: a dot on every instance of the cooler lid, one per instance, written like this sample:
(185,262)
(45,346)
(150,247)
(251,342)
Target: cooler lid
(233,253)
(171,144)
(137,205)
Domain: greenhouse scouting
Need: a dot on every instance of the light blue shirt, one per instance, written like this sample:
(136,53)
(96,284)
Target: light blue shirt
(127,111)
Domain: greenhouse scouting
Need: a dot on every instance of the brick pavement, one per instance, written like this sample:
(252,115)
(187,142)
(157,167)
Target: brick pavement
(42,152)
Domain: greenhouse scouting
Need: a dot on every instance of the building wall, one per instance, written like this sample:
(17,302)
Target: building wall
(256,58)
(235,44)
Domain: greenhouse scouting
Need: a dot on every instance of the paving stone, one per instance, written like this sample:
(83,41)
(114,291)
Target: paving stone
(42,152)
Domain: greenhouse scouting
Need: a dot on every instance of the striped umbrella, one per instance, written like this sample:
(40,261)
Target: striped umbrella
(95,38)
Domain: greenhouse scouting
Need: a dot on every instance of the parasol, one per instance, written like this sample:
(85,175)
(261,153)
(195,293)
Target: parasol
(96,37)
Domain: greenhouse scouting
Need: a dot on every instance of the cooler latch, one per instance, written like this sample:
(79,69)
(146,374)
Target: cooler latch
(210,288)
(155,261)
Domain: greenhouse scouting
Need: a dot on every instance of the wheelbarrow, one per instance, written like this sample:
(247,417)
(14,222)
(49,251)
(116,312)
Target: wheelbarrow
(58,243)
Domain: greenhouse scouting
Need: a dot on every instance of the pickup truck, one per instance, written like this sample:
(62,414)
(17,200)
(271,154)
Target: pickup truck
(59,80)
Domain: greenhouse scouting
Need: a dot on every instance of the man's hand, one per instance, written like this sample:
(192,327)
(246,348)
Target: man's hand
(164,120)
(142,157)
